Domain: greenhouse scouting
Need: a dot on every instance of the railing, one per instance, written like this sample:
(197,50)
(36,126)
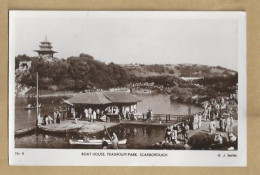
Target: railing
(164,118)
(168,118)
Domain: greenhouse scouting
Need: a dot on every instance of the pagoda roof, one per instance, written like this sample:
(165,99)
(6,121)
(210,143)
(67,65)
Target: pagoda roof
(45,50)
(43,42)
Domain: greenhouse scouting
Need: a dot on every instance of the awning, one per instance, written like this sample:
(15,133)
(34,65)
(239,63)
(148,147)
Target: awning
(91,98)
(121,97)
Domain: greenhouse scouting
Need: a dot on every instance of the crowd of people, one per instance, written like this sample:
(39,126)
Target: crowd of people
(95,114)
(219,117)
(177,132)
(47,119)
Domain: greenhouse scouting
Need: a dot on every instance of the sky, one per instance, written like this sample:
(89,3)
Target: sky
(153,38)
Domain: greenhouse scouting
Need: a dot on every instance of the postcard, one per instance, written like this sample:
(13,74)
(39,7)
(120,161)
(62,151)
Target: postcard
(127,88)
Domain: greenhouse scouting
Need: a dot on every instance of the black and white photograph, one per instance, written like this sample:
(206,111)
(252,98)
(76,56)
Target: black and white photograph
(121,88)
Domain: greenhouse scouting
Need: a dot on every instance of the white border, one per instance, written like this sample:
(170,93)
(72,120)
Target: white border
(72,157)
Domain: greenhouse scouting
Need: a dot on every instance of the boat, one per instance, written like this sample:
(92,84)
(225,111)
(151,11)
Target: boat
(24,131)
(32,107)
(94,142)
(174,98)
(103,118)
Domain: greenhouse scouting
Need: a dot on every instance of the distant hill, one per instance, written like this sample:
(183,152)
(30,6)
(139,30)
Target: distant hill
(178,70)
(84,72)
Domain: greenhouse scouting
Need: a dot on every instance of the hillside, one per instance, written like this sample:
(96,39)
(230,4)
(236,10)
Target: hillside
(179,70)
(84,72)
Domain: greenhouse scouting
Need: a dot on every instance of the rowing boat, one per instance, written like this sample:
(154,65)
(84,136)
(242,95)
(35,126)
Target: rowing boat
(32,107)
(94,142)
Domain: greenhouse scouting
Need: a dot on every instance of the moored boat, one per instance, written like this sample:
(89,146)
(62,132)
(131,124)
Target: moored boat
(94,142)
(174,98)
(32,107)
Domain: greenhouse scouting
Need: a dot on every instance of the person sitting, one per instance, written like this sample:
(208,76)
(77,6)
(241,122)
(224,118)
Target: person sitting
(218,140)
(232,141)
(104,144)
(232,137)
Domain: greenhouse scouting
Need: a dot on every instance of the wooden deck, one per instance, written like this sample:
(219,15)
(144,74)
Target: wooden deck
(80,126)
(24,131)
(144,123)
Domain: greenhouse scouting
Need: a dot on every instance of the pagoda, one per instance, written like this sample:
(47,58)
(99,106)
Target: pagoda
(45,50)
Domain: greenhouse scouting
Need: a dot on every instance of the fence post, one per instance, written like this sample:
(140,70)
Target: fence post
(143,116)
(169,117)
(166,118)
(106,118)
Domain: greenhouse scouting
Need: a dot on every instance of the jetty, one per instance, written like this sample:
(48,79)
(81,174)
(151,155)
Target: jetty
(81,127)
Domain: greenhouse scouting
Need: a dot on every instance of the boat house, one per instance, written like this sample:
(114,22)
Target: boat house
(111,104)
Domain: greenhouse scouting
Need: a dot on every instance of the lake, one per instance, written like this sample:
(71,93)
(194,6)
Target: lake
(138,136)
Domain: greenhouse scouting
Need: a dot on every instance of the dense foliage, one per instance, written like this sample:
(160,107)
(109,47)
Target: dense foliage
(75,73)
(84,72)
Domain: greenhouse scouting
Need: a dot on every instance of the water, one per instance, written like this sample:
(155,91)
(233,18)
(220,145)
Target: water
(27,118)
(139,137)
(161,104)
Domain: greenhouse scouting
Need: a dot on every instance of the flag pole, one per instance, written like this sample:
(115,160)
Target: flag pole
(37,95)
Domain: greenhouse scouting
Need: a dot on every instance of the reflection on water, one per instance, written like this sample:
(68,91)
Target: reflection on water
(161,104)
(27,118)
(138,136)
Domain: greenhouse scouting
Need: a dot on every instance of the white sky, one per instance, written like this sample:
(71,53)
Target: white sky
(131,37)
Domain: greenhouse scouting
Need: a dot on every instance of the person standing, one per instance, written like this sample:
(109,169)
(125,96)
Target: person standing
(222,124)
(39,119)
(212,127)
(98,114)
(58,117)
(174,135)
(205,112)
(114,141)
(94,115)
(194,122)
(168,133)
(148,115)
(228,124)
(73,112)
(151,112)
(209,111)
(186,133)
(199,119)
(54,116)
(90,114)
(86,113)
